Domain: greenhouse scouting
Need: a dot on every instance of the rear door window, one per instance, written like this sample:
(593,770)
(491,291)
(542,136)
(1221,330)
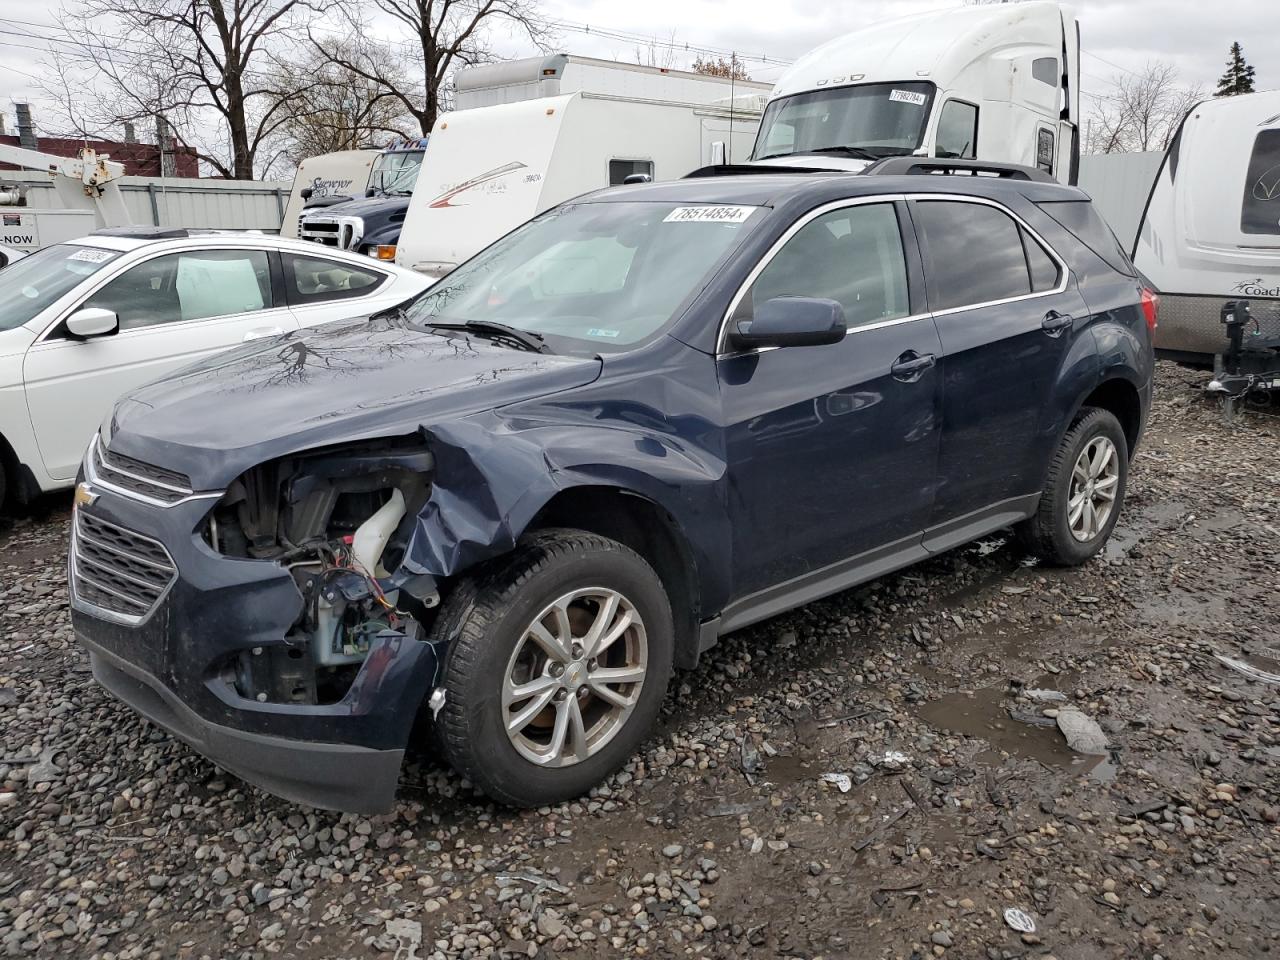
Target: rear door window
(974,253)
(1260,213)
(317,280)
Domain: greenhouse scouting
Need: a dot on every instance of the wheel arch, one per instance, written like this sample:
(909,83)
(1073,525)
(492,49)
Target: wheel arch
(645,526)
(1121,398)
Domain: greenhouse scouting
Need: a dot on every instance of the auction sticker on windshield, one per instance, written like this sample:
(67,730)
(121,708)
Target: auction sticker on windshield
(91,256)
(708,215)
(908,96)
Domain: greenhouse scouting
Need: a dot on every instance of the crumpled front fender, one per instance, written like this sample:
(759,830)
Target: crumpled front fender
(493,475)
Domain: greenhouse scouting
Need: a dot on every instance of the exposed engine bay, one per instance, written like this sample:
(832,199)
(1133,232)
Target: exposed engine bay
(338,519)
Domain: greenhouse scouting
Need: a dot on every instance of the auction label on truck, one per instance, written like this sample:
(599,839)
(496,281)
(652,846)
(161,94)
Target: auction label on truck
(908,96)
(708,214)
(19,230)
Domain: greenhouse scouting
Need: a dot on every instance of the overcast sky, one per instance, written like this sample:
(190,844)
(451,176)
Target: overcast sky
(1193,34)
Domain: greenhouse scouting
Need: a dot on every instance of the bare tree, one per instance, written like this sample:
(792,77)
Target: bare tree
(201,64)
(442,36)
(730,69)
(1142,112)
(332,108)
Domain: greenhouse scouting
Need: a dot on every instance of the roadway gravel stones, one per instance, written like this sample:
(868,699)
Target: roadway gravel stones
(721,838)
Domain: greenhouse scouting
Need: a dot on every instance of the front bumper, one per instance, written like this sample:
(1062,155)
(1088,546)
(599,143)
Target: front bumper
(172,667)
(333,776)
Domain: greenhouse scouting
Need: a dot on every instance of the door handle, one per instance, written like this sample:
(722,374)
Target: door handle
(257,333)
(911,366)
(1055,323)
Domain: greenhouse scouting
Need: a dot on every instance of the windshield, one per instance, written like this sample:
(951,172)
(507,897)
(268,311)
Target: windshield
(885,119)
(395,172)
(29,285)
(590,277)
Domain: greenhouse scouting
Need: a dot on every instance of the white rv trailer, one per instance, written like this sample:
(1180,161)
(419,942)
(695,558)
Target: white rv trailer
(591,124)
(991,82)
(1211,229)
(344,173)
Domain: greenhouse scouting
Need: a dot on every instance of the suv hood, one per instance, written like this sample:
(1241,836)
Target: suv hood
(337,383)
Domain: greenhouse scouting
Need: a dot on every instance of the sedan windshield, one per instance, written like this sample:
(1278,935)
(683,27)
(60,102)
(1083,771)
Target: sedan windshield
(32,283)
(883,119)
(590,276)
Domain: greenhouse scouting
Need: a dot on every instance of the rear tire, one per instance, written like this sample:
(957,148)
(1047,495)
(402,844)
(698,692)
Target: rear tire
(1083,492)
(532,720)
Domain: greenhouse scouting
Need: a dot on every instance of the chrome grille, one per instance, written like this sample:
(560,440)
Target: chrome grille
(116,570)
(134,476)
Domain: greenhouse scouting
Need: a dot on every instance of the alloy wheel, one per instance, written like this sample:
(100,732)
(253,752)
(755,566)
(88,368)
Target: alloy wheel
(574,677)
(1095,479)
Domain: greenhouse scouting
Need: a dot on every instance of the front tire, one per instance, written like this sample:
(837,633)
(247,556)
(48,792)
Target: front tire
(558,661)
(1083,492)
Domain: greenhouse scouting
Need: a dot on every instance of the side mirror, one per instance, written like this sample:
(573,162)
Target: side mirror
(93,322)
(792,322)
(636,178)
(306,193)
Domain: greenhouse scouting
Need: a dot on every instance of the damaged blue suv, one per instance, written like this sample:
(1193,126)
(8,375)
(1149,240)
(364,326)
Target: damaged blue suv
(648,417)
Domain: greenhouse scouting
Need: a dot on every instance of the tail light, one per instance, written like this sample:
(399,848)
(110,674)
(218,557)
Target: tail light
(1151,307)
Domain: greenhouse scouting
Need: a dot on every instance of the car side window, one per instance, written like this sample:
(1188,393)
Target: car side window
(974,253)
(1044,269)
(957,130)
(192,285)
(317,280)
(852,255)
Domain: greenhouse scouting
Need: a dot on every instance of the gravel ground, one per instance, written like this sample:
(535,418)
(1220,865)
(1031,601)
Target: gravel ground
(936,693)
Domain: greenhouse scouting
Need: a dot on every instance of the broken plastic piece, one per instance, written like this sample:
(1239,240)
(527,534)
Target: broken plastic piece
(1250,671)
(841,780)
(1083,735)
(1019,920)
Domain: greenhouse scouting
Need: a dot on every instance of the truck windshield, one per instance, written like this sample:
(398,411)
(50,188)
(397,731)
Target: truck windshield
(590,277)
(395,173)
(883,119)
(29,285)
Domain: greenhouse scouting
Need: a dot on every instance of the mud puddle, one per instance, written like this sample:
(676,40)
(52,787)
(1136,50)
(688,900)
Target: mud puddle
(984,713)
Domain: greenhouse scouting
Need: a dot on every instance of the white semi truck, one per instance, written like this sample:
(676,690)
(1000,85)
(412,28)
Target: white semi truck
(996,82)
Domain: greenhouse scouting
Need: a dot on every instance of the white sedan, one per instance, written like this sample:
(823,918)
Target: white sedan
(83,322)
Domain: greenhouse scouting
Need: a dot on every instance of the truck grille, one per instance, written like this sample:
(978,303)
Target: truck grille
(332,231)
(117,570)
(143,479)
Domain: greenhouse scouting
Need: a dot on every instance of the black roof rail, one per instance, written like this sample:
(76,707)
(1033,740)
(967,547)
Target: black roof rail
(749,169)
(142,232)
(942,166)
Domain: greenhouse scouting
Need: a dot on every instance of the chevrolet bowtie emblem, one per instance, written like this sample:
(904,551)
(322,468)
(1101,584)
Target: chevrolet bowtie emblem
(85,495)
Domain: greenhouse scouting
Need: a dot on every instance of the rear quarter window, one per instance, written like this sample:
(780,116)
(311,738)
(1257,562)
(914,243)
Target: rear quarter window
(1081,220)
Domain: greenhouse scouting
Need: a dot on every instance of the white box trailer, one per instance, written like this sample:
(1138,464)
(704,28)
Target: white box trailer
(490,168)
(993,82)
(1211,229)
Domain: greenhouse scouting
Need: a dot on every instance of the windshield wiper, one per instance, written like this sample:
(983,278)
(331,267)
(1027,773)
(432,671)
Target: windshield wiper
(862,153)
(527,339)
